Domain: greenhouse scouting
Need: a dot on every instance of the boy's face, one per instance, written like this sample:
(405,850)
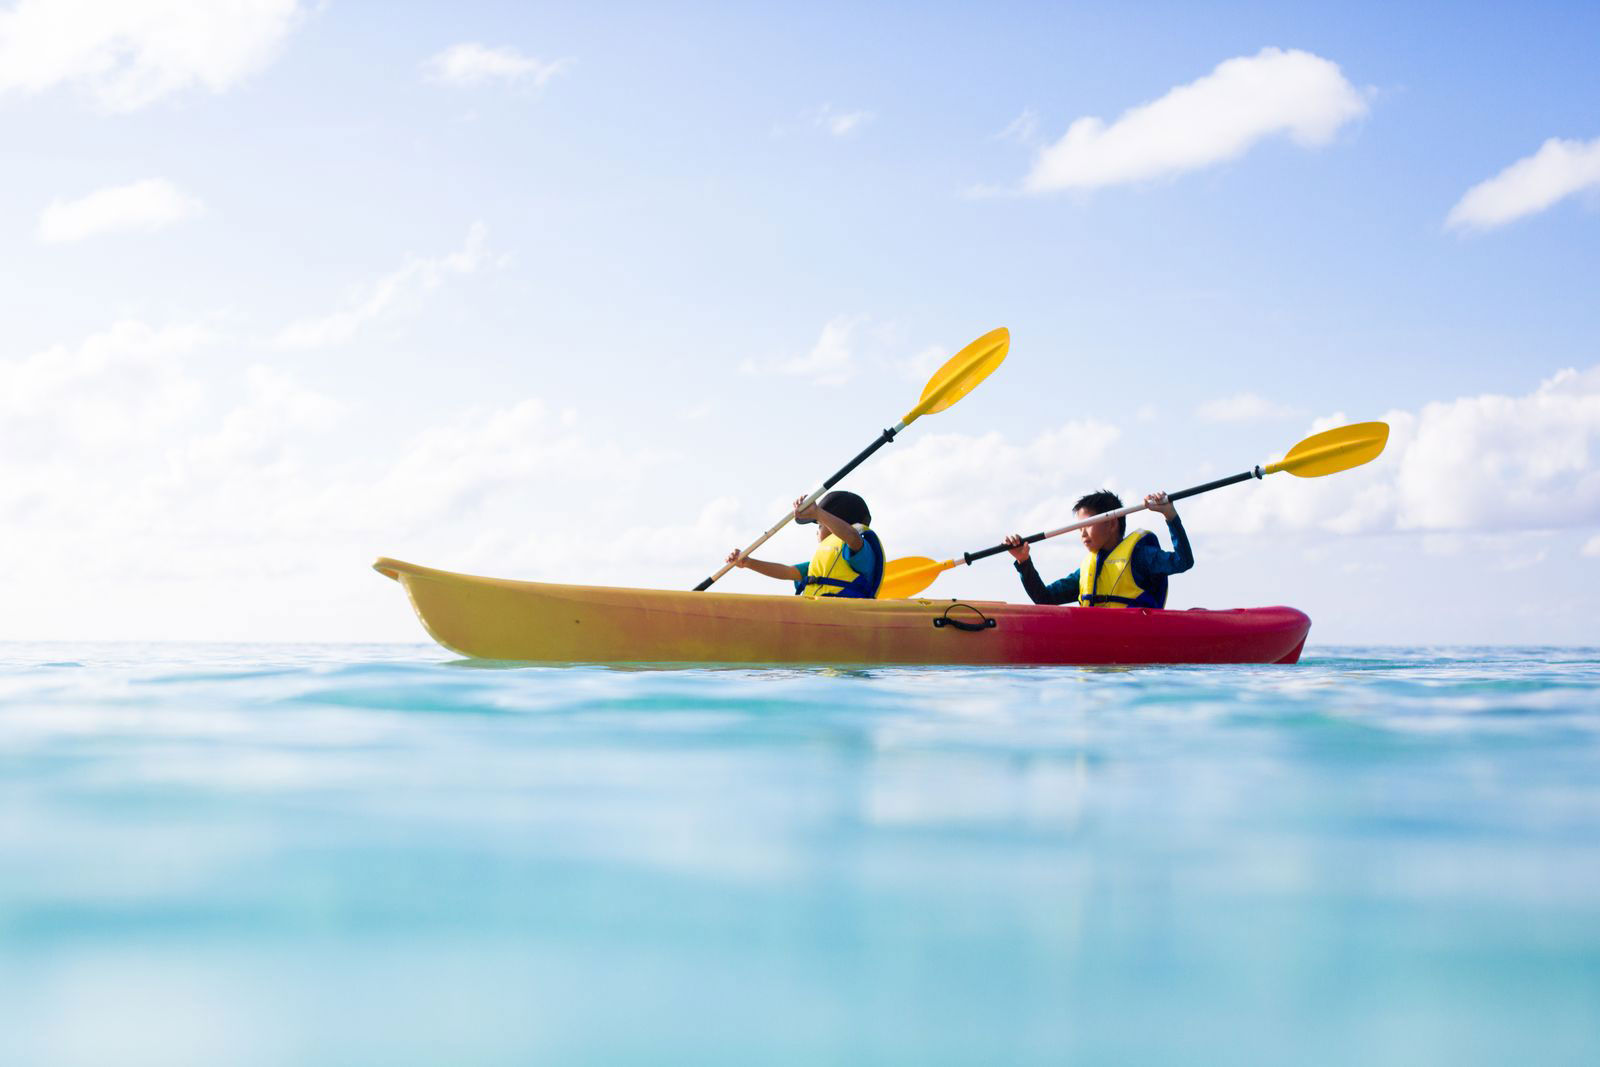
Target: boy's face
(1099,536)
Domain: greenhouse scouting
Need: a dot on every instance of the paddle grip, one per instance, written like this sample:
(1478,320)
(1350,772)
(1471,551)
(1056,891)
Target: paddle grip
(995,550)
(1218,484)
(883,439)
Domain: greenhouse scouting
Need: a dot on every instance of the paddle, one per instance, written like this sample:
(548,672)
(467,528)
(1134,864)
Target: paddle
(1324,453)
(960,374)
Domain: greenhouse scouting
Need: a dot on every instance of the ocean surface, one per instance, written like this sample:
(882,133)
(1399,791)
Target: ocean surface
(239,855)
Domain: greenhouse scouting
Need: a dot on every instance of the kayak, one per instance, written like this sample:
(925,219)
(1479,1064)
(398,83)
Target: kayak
(539,622)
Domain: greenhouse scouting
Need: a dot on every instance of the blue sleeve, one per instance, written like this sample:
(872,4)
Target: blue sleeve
(1150,561)
(1064,590)
(863,560)
(1060,591)
(800,586)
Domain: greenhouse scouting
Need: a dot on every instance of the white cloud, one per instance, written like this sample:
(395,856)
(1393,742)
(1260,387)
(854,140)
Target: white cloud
(919,367)
(130,53)
(840,123)
(1022,128)
(415,276)
(1215,118)
(145,206)
(472,64)
(1475,464)
(1591,547)
(951,492)
(123,468)
(1244,407)
(123,384)
(831,361)
(848,343)
(1530,185)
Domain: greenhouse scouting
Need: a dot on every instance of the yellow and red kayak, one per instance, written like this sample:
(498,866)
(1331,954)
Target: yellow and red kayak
(499,619)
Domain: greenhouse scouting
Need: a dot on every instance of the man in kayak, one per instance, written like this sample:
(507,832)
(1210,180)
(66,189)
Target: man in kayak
(849,558)
(1121,570)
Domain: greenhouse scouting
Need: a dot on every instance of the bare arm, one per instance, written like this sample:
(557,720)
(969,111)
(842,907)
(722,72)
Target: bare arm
(786,571)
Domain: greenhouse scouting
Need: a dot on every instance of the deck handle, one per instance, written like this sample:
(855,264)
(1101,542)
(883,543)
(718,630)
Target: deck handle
(961,624)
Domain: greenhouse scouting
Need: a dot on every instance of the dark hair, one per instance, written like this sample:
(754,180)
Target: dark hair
(1099,502)
(847,506)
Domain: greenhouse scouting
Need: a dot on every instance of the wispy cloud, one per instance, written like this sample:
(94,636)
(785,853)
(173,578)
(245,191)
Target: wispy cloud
(1245,407)
(415,276)
(1591,547)
(469,64)
(831,361)
(1210,120)
(920,365)
(1022,128)
(131,53)
(145,206)
(840,123)
(1530,185)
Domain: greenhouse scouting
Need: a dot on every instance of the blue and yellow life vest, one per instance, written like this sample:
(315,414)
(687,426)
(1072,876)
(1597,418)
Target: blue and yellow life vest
(830,575)
(1111,585)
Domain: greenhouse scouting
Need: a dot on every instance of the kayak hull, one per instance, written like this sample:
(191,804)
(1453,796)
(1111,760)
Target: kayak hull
(539,622)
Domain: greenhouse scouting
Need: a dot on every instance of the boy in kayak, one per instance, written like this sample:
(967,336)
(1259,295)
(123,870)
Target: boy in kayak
(849,558)
(1121,570)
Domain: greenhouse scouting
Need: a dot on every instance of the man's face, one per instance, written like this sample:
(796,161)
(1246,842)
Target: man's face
(1099,536)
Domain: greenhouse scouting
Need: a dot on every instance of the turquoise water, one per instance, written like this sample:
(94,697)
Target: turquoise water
(301,855)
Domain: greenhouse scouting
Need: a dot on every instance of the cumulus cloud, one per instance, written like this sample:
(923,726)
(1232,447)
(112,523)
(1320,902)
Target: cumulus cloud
(130,53)
(145,206)
(1215,118)
(136,459)
(1244,407)
(1473,464)
(92,398)
(969,488)
(470,64)
(1530,185)
(416,275)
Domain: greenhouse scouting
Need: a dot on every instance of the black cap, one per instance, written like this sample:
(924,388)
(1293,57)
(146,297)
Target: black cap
(847,506)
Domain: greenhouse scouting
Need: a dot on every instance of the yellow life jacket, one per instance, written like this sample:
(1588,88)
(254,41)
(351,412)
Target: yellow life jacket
(1111,584)
(830,575)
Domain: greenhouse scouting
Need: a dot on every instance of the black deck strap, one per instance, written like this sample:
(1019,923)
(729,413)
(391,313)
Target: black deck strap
(961,624)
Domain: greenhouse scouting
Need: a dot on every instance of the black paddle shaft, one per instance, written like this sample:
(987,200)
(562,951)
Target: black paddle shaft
(838,476)
(1232,479)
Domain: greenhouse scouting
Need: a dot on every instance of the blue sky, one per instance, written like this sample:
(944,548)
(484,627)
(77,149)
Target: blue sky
(592,304)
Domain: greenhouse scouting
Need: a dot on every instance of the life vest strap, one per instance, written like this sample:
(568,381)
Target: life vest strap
(1107,598)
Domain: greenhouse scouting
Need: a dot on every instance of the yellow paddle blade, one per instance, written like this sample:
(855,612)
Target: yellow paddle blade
(910,576)
(1332,451)
(962,372)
